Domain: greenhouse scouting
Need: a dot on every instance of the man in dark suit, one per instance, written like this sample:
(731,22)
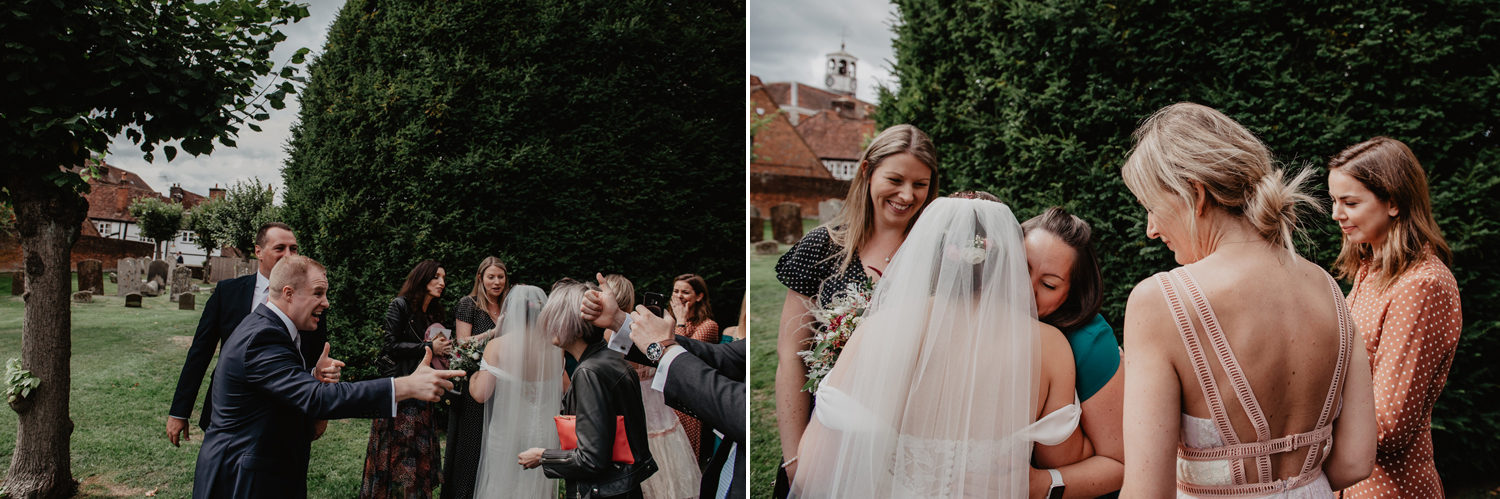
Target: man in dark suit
(265,402)
(705,380)
(233,300)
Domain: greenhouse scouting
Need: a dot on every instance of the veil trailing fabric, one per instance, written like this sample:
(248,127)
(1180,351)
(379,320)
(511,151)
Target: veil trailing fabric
(933,394)
(528,392)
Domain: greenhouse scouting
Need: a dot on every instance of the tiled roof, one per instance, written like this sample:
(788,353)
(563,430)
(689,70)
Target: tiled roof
(111,192)
(834,135)
(810,97)
(777,148)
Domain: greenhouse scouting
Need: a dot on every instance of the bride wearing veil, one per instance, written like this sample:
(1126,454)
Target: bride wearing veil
(520,385)
(950,378)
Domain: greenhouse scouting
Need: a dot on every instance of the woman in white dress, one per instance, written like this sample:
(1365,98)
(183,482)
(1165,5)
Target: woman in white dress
(677,473)
(1243,375)
(520,385)
(950,378)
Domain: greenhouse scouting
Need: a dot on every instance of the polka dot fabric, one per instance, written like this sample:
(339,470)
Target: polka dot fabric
(811,268)
(1411,330)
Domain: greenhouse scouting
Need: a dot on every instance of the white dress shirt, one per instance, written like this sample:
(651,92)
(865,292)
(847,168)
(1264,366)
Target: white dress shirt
(262,288)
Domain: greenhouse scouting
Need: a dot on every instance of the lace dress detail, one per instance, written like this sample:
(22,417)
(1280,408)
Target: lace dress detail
(929,467)
(1211,457)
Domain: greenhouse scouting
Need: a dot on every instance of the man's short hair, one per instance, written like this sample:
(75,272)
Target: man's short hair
(260,235)
(292,271)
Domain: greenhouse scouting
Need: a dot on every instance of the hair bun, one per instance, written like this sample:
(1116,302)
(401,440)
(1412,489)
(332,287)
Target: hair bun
(1274,206)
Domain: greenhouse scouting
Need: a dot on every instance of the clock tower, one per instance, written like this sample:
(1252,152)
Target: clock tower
(839,74)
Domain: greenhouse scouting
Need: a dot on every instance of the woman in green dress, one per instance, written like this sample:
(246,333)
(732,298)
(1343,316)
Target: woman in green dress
(1069,292)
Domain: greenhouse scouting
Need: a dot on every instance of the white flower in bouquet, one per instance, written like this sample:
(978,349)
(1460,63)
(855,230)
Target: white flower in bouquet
(836,324)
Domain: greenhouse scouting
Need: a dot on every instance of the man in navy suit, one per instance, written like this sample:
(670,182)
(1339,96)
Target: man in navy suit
(231,302)
(266,402)
(705,380)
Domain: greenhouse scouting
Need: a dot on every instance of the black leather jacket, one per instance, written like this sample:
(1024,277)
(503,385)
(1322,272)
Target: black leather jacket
(603,387)
(403,346)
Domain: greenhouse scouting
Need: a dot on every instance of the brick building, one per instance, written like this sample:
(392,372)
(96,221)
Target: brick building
(110,232)
(810,147)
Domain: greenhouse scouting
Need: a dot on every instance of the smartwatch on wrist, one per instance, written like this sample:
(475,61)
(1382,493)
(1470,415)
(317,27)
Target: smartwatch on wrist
(1056,491)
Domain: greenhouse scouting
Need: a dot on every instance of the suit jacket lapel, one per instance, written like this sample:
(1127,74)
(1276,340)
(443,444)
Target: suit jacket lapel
(266,312)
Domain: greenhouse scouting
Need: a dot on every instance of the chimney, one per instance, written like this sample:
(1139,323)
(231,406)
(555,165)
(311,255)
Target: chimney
(175,193)
(122,199)
(215,192)
(846,108)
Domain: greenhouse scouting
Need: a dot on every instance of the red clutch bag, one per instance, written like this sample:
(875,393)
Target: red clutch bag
(567,435)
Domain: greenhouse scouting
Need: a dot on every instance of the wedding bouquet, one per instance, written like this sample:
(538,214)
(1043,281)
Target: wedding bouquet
(836,324)
(465,355)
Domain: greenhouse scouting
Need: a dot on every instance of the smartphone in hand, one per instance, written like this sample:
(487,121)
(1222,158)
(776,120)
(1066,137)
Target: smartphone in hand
(656,303)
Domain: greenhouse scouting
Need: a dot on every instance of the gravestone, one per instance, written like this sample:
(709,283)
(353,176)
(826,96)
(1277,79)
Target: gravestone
(91,276)
(17,283)
(223,267)
(786,222)
(828,209)
(757,229)
(114,277)
(766,248)
(133,300)
(151,289)
(182,282)
(130,276)
(185,301)
(84,296)
(755,212)
(158,270)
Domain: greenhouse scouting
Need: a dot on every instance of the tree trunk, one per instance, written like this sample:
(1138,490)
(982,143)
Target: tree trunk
(47,219)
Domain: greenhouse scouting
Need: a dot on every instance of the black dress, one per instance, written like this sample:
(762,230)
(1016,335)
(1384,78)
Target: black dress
(465,419)
(811,267)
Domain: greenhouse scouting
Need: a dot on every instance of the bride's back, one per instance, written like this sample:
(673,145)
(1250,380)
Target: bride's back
(1280,317)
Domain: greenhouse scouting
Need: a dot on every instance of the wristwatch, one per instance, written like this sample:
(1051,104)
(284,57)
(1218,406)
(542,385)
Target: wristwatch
(1056,492)
(656,350)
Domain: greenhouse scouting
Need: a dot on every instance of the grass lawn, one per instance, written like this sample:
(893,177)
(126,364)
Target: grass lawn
(125,367)
(766,297)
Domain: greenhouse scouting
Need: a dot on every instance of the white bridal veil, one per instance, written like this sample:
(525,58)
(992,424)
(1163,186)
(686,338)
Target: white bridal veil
(528,392)
(932,394)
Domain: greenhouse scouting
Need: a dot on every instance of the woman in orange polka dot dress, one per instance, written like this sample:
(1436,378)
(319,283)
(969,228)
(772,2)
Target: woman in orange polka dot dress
(1404,302)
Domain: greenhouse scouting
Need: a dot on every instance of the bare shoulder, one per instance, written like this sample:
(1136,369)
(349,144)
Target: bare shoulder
(1053,343)
(1148,319)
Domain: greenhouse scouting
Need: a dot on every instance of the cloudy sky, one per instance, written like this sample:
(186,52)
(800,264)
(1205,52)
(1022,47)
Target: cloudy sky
(789,39)
(260,154)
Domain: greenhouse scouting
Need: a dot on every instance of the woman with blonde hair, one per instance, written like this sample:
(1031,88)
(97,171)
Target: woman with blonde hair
(1404,301)
(476,319)
(1244,315)
(897,178)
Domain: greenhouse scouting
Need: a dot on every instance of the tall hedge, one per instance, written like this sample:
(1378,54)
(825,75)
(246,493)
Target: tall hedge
(565,137)
(1036,101)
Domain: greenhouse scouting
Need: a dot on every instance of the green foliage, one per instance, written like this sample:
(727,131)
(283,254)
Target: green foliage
(7,218)
(565,138)
(1035,101)
(79,73)
(201,221)
(234,220)
(159,219)
(18,382)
